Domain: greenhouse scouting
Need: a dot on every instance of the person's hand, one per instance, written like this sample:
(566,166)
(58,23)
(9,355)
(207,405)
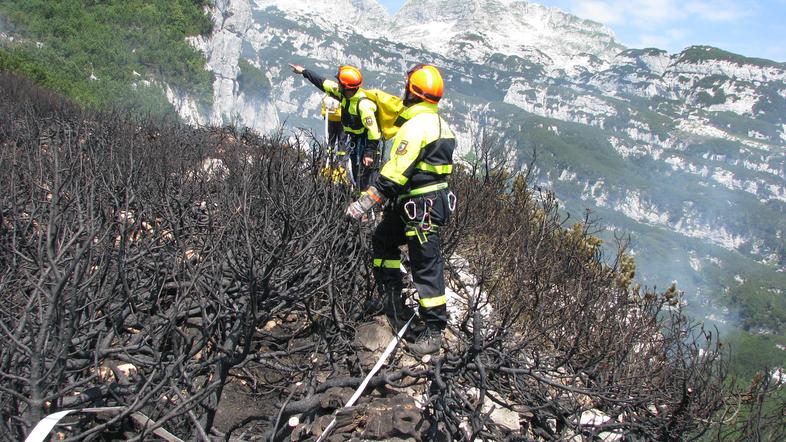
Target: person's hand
(370,198)
(296,68)
(368,160)
(355,210)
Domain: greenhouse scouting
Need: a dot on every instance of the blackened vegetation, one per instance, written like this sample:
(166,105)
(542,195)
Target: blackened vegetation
(171,271)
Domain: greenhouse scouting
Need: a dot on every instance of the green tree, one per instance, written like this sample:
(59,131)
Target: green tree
(109,53)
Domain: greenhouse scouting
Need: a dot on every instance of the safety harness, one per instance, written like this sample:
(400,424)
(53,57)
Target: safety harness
(419,221)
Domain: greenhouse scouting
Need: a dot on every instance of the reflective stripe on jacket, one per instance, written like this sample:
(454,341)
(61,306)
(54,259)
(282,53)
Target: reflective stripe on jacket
(357,113)
(421,153)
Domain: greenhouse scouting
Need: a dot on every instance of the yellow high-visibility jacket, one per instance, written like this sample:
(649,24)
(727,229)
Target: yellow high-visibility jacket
(421,154)
(357,113)
(332,107)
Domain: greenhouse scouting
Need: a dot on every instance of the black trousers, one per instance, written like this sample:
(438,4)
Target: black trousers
(416,222)
(335,133)
(353,150)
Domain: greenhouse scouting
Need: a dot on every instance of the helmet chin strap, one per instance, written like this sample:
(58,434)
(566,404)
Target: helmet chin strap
(410,98)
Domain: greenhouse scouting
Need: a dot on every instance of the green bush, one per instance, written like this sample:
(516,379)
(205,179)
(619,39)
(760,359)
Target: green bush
(99,52)
(697,54)
(761,301)
(750,352)
(252,80)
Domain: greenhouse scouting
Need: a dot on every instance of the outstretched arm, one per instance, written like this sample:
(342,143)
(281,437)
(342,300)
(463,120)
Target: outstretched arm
(317,80)
(296,68)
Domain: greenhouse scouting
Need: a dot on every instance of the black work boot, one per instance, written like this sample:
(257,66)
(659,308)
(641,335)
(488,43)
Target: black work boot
(396,310)
(428,341)
(373,307)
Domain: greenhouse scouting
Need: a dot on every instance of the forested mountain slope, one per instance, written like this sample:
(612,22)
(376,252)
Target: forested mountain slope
(208,280)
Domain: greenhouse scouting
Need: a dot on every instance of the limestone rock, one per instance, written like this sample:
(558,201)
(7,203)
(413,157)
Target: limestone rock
(335,398)
(373,336)
(394,418)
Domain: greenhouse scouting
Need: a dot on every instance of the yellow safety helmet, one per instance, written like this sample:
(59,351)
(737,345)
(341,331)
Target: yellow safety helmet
(425,81)
(349,77)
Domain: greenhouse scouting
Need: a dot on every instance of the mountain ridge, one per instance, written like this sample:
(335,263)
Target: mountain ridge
(226,270)
(643,138)
(693,174)
(508,27)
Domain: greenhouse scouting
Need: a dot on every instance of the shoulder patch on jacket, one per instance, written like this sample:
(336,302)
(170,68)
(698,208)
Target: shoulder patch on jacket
(402,148)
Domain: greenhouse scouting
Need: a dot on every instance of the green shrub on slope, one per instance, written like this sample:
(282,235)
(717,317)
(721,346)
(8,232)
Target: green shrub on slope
(108,53)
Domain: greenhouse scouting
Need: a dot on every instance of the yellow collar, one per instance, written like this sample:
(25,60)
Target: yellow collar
(419,108)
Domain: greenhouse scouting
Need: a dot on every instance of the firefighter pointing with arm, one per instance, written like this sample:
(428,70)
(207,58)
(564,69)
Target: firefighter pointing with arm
(413,183)
(357,116)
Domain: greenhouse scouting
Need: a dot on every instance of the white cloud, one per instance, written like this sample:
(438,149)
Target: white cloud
(603,12)
(637,12)
(676,33)
(718,10)
(650,14)
(665,24)
(666,39)
(652,41)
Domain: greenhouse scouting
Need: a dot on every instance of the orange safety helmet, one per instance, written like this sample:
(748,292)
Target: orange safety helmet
(349,77)
(425,81)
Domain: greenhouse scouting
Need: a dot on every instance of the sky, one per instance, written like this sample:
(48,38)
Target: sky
(754,28)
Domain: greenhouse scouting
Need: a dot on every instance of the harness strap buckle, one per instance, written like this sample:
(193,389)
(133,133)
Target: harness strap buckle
(421,235)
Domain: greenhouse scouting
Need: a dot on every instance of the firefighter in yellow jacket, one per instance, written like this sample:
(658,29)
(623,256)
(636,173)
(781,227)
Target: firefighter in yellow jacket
(331,111)
(357,117)
(413,183)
